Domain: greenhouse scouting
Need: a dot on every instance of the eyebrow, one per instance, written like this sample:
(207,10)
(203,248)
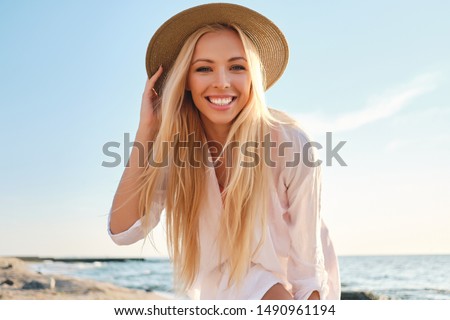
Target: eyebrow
(211,61)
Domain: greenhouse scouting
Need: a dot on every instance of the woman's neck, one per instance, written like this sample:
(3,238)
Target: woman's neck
(216,132)
(217,135)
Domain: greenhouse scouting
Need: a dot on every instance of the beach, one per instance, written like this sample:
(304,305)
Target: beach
(18,282)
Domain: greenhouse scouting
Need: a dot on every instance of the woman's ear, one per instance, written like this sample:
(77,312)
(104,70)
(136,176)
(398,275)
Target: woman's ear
(186,87)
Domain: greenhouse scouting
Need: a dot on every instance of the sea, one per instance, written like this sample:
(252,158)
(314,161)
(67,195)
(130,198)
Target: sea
(403,277)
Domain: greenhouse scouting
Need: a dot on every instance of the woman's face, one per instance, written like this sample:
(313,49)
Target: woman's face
(219,78)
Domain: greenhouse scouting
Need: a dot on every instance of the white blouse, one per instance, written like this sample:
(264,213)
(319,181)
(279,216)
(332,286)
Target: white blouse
(297,251)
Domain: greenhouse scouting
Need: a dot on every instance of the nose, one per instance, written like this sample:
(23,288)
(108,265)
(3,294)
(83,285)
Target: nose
(222,79)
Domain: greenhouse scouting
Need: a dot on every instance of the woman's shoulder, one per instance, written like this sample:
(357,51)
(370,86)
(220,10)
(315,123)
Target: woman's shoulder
(287,129)
(293,150)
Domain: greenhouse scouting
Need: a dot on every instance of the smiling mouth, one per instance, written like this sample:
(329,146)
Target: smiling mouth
(221,101)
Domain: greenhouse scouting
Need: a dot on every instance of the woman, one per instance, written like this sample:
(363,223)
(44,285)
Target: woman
(242,213)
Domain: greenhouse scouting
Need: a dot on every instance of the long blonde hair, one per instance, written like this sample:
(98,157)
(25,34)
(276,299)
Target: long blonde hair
(246,191)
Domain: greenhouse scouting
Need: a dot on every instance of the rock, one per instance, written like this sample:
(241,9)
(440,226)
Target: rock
(8,266)
(7,282)
(35,285)
(358,295)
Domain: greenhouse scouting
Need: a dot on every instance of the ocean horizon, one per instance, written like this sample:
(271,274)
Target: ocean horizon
(396,277)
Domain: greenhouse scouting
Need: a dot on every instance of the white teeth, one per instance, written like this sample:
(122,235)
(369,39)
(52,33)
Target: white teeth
(221,101)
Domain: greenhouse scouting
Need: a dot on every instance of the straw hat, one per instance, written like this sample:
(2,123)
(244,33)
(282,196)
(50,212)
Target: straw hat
(168,40)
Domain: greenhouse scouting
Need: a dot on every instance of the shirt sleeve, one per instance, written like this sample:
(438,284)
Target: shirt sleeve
(306,268)
(136,232)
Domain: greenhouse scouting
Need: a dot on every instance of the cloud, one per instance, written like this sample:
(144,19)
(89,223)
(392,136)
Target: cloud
(378,107)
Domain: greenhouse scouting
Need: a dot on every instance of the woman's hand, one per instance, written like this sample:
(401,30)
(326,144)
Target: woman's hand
(149,98)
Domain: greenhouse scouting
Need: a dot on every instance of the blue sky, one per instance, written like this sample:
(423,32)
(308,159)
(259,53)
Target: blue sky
(375,73)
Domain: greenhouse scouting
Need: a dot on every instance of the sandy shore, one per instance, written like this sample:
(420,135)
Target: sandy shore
(18,282)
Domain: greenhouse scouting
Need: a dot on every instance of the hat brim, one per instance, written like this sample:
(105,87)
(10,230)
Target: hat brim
(168,40)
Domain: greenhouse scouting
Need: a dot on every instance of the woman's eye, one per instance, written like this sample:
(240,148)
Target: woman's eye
(237,68)
(203,69)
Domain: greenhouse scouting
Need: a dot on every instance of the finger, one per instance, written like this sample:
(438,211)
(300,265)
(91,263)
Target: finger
(149,90)
(155,76)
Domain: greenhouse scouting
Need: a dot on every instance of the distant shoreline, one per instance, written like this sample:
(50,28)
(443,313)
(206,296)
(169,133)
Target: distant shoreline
(76,260)
(70,259)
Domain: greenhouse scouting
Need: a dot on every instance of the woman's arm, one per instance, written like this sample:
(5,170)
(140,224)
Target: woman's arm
(125,207)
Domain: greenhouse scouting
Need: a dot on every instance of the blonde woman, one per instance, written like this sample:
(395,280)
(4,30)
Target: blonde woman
(242,212)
